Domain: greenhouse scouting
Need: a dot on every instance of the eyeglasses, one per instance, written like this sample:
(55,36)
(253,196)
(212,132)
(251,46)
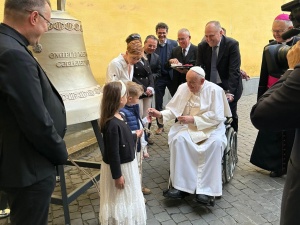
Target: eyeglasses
(181,39)
(48,22)
(41,15)
(278,31)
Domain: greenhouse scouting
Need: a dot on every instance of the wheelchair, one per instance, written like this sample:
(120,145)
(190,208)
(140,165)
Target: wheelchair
(230,157)
(229,160)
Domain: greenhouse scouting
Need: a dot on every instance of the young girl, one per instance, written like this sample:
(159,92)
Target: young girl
(121,198)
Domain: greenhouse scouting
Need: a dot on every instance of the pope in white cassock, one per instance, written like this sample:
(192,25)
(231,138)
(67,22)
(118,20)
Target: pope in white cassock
(197,141)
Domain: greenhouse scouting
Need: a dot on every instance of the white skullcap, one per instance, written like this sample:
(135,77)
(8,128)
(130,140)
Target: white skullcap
(123,89)
(198,70)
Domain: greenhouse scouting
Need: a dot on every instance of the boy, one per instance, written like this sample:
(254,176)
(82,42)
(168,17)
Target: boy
(131,112)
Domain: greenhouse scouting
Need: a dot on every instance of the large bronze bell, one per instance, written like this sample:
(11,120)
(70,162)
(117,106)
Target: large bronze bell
(63,56)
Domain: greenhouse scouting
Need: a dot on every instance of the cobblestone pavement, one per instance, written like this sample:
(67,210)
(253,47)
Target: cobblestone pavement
(251,197)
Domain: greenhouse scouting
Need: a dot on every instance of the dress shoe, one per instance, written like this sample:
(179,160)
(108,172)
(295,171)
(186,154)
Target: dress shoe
(277,173)
(159,130)
(4,213)
(174,193)
(205,199)
(150,141)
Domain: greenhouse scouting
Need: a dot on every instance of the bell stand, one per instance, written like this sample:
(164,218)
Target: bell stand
(65,199)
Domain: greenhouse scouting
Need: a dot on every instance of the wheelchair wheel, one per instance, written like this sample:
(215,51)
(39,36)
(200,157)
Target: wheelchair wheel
(234,147)
(229,158)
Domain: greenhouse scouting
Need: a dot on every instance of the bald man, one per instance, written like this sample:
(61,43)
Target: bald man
(220,58)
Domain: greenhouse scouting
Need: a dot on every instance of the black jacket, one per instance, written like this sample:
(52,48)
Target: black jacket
(119,145)
(143,75)
(265,72)
(279,109)
(32,116)
(190,58)
(228,64)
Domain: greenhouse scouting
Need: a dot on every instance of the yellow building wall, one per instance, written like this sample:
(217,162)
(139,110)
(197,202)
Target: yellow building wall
(106,24)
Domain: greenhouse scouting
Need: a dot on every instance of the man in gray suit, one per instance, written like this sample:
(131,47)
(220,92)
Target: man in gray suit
(164,51)
(32,115)
(185,53)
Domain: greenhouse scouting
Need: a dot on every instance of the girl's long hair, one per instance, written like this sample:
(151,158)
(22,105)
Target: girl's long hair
(110,102)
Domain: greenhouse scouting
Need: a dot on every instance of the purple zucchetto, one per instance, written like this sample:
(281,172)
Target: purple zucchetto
(283,16)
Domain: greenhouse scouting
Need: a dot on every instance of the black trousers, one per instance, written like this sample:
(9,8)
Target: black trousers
(160,86)
(3,200)
(233,109)
(30,205)
(235,118)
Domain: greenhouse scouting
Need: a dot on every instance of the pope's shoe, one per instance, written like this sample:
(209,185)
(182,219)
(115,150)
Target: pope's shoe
(174,193)
(205,199)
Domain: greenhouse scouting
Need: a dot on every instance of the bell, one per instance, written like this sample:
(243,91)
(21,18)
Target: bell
(62,54)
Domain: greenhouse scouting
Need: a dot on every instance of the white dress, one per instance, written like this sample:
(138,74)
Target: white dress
(122,207)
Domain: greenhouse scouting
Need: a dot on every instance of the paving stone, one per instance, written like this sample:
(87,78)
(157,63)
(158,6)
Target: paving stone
(250,198)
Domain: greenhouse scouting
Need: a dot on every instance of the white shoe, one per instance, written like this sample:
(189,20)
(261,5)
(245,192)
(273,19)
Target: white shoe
(4,213)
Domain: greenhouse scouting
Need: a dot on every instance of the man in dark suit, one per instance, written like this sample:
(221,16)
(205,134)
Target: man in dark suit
(164,51)
(220,58)
(150,46)
(32,115)
(272,150)
(185,53)
(278,109)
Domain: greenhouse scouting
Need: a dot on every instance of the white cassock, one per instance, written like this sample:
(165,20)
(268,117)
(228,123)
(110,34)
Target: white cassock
(196,150)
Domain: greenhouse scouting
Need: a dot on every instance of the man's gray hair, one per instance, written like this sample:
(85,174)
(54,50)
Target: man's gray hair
(151,36)
(216,24)
(288,23)
(25,5)
(184,30)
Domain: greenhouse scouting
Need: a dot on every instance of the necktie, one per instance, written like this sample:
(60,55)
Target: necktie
(149,57)
(183,55)
(183,52)
(214,71)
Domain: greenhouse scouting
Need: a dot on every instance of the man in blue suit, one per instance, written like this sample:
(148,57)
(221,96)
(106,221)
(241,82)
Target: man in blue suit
(164,51)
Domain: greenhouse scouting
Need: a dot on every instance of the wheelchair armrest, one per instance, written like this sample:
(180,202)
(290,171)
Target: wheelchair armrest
(228,121)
